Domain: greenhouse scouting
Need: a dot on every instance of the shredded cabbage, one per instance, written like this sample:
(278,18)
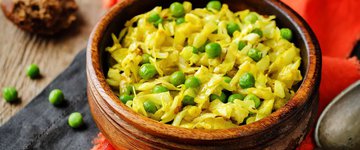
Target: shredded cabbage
(171,46)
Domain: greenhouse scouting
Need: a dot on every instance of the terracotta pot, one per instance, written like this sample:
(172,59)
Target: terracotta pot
(283,129)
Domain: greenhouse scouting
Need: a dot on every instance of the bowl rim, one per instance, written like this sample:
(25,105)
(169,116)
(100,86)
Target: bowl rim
(303,95)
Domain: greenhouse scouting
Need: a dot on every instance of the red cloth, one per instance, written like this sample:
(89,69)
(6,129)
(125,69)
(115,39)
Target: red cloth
(101,143)
(109,3)
(337,27)
(337,74)
(336,23)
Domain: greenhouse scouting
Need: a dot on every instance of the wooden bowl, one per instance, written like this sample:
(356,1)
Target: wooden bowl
(283,129)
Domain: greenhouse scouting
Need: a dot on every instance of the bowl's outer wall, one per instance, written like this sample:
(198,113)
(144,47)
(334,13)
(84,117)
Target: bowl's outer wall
(115,120)
(124,136)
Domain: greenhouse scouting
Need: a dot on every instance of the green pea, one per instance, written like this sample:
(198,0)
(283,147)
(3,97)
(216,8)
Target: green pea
(158,22)
(10,94)
(258,32)
(255,54)
(247,80)
(177,78)
(188,100)
(159,89)
(202,48)
(150,106)
(192,82)
(235,96)
(251,17)
(75,120)
(153,17)
(180,20)
(145,58)
(254,98)
(195,50)
(214,97)
(216,5)
(125,98)
(222,97)
(241,45)
(213,50)
(177,9)
(147,71)
(227,79)
(128,90)
(232,27)
(56,97)
(286,33)
(33,71)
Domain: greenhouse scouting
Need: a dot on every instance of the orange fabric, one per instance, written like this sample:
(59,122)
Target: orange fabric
(337,27)
(101,143)
(336,23)
(337,74)
(109,3)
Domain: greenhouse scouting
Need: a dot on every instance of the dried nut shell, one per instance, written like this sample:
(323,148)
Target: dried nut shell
(40,16)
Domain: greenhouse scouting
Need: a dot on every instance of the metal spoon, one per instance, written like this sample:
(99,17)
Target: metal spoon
(339,124)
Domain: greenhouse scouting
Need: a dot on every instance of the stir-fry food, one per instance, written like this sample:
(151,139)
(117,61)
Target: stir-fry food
(204,68)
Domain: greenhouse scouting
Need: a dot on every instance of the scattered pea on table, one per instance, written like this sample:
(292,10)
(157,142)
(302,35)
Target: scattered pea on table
(33,71)
(10,94)
(56,97)
(75,120)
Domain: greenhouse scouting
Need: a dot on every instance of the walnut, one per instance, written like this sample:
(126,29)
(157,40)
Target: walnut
(40,16)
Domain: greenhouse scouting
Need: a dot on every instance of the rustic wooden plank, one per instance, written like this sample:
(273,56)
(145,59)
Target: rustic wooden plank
(18,49)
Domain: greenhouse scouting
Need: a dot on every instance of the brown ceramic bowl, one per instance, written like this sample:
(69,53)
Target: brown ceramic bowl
(283,129)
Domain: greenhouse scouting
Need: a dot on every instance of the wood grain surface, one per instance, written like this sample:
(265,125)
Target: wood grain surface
(19,49)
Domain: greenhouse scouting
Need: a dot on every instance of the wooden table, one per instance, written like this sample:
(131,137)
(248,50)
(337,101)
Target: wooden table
(19,49)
